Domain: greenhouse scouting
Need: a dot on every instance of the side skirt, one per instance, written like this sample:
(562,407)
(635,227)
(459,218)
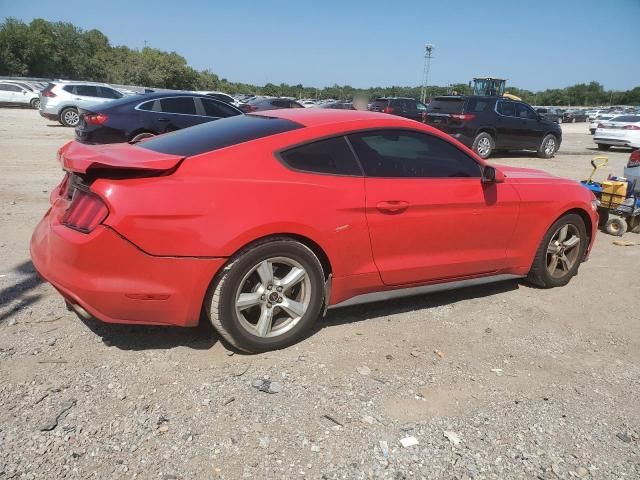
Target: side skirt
(411,291)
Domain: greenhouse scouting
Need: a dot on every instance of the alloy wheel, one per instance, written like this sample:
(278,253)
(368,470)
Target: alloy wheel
(550,146)
(563,250)
(273,297)
(484,146)
(71,118)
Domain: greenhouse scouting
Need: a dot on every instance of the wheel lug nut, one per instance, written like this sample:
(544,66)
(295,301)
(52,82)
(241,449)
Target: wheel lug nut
(269,287)
(263,297)
(279,289)
(269,305)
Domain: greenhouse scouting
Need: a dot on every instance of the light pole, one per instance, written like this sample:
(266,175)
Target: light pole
(428,50)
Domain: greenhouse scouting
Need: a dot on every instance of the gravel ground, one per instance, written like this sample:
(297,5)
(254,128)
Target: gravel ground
(498,382)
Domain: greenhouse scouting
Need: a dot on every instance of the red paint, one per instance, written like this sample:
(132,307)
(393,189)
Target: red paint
(153,257)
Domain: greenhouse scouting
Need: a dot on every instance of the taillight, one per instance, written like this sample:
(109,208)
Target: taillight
(387,110)
(601,125)
(48,93)
(463,116)
(96,118)
(631,127)
(634,159)
(86,212)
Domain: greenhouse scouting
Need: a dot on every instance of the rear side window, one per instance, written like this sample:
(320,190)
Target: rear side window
(219,134)
(184,105)
(477,106)
(626,118)
(217,109)
(87,90)
(406,154)
(331,156)
(150,106)
(446,105)
(508,109)
(69,88)
(109,93)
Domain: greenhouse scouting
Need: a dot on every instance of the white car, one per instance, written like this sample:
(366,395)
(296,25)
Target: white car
(599,119)
(14,94)
(308,103)
(221,96)
(620,131)
(60,100)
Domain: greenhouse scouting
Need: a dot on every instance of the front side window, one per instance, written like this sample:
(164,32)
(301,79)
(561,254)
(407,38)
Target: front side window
(331,156)
(406,154)
(508,109)
(87,90)
(184,105)
(523,111)
(217,109)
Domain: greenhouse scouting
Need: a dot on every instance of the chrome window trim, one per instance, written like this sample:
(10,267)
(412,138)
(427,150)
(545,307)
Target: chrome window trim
(137,107)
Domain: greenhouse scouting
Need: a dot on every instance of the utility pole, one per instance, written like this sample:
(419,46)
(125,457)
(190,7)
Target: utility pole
(428,50)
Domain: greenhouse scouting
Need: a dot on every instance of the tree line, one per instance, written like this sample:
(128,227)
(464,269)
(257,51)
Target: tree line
(62,50)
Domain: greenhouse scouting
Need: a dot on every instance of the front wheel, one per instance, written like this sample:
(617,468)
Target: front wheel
(268,296)
(560,253)
(548,146)
(483,145)
(35,104)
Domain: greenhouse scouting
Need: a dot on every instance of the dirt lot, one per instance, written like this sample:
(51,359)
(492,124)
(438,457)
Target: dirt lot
(502,382)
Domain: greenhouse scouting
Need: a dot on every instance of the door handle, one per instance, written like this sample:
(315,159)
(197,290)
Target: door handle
(392,207)
(163,119)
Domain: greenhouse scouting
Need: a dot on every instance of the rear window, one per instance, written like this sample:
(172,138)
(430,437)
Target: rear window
(446,105)
(626,118)
(219,134)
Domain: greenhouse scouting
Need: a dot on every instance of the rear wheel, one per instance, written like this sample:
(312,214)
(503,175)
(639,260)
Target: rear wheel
(483,145)
(603,146)
(560,253)
(573,120)
(69,117)
(268,296)
(548,147)
(35,103)
(616,226)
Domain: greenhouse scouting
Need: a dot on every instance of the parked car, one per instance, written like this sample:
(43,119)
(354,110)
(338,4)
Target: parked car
(13,94)
(308,103)
(487,124)
(599,118)
(550,114)
(573,116)
(619,131)
(401,106)
(268,103)
(338,105)
(259,222)
(26,85)
(60,101)
(135,118)
(222,96)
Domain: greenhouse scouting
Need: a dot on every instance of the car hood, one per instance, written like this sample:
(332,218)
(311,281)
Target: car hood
(524,174)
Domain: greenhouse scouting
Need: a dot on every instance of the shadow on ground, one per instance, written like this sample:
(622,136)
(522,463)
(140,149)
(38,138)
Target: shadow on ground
(20,294)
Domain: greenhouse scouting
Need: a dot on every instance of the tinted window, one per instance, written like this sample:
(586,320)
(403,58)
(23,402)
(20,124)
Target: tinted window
(69,88)
(184,105)
(12,88)
(109,93)
(219,134)
(523,111)
(280,103)
(626,118)
(87,90)
(421,107)
(293,104)
(507,109)
(397,153)
(221,96)
(217,109)
(152,105)
(325,156)
(478,106)
(446,105)
(3,87)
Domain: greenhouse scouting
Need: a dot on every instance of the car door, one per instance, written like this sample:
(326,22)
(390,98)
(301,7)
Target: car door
(529,128)
(176,113)
(430,217)
(506,124)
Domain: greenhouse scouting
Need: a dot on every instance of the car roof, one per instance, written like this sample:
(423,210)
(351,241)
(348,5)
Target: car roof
(311,117)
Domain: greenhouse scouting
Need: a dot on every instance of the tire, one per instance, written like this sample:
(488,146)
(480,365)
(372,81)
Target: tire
(559,120)
(245,275)
(616,226)
(542,273)
(573,120)
(69,117)
(603,146)
(634,224)
(141,136)
(548,147)
(483,145)
(35,104)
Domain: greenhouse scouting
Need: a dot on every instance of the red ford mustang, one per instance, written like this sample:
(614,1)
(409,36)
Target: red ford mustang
(260,222)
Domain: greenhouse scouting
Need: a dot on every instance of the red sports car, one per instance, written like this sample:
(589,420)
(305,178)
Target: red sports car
(260,222)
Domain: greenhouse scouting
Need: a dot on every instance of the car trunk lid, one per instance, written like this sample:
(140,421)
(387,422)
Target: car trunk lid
(445,112)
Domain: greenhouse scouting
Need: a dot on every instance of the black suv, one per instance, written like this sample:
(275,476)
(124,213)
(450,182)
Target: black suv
(487,124)
(402,106)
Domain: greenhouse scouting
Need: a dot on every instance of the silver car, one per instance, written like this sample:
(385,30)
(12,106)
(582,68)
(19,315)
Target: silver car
(12,93)
(60,100)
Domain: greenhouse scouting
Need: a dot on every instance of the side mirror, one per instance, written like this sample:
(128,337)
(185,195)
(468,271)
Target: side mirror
(491,175)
